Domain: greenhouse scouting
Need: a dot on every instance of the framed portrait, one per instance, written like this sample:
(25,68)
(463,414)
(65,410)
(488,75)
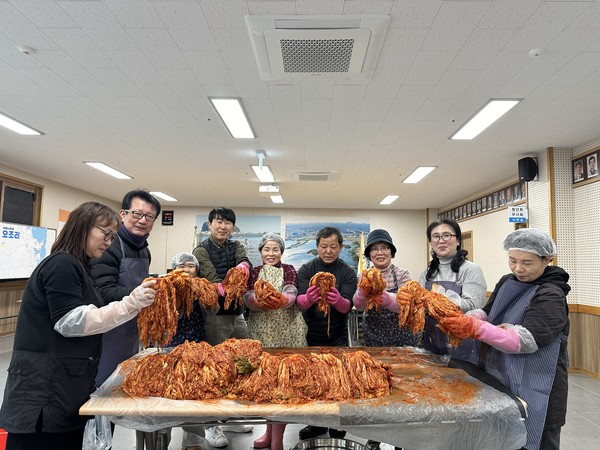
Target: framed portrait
(489,203)
(478,206)
(592,165)
(509,195)
(516,192)
(496,203)
(483,204)
(502,198)
(578,174)
(523,189)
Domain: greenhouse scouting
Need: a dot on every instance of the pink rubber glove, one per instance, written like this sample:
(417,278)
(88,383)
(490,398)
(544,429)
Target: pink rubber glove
(251,303)
(335,299)
(220,290)
(477,313)
(360,299)
(389,301)
(503,339)
(245,267)
(305,301)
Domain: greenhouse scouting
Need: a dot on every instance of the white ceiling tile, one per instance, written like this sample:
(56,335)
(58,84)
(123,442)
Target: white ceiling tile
(51,82)
(272,8)
(98,22)
(433,110)
(208,67)
(415,13)
(347,97)
(159,47)
(12,57)
(43,13)
(235,47)
(453,83)
(183,82)
(135,64)
(410,98)
(316,109)
(101,95)
(187,25)
(61,63)
(401,48)
(428,67)
(134,13)
(220,14)
(286,97)
(481,48)
(373,108)
(80,46)
(162,95)
(508,13)
(368,7)
(116,81)
(20,30)
(317,87)
(319,6)
(342,120)
(573,41)
(589,18)
(503,68)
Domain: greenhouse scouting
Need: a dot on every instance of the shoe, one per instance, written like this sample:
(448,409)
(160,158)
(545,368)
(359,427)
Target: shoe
(265,440)
(237,428)
(309,432)
(372,445)
(336,434)
(215,437)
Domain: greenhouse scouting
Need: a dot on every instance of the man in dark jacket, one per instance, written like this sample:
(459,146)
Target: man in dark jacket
(122,267)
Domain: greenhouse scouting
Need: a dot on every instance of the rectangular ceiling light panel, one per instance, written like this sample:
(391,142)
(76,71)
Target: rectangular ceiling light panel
(491,111)
(234,117)
(264,174)
(108,170)
(418,174)
(17,127)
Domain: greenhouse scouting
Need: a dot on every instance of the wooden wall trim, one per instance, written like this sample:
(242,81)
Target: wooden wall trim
(584,309)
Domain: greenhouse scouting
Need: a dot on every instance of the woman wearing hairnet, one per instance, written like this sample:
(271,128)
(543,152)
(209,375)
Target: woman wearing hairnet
(282,327)
(523,333)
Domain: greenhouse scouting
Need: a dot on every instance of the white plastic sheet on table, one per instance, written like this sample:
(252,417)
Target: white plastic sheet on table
(490,421)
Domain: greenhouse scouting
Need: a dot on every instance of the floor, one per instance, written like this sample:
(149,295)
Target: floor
(581,432)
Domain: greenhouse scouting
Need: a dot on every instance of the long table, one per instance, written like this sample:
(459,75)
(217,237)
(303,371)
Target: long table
(431,406)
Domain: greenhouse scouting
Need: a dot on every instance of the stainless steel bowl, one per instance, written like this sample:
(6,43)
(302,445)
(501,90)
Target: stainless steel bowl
(328,444)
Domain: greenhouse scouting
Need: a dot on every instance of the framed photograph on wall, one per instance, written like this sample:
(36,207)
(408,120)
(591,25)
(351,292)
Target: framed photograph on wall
(578,174)
(592,165)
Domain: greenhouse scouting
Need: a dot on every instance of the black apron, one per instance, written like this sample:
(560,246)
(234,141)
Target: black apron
(122,343)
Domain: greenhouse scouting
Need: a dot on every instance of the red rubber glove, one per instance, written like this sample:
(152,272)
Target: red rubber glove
(360,299)
(245,267)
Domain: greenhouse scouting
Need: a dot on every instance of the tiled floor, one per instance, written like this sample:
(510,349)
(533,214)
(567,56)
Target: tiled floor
(582,431)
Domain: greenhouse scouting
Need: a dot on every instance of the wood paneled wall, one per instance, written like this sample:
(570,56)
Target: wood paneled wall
(584,351)
(10,299)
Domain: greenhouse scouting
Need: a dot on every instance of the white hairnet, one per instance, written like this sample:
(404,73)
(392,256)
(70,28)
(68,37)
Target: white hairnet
(530,240)
(271,237)
(182,258)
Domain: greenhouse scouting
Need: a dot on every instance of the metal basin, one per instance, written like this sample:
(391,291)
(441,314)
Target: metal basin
(328,444)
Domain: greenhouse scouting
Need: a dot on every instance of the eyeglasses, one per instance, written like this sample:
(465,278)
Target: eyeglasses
(140,215)
(442,237)
(382,249)
(109,236)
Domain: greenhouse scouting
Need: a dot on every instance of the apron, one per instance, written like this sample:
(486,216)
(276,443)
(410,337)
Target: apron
(381,327)
(278,327)
(122,343)
(434,339)
(529,376)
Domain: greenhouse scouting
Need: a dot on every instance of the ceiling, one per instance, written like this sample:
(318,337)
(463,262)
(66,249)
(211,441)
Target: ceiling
(126,83)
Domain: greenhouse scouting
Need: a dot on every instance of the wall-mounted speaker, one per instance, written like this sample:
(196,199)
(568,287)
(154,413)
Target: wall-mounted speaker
(528,169)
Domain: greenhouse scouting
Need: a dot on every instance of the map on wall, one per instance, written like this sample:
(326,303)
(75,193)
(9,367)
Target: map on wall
(22,248)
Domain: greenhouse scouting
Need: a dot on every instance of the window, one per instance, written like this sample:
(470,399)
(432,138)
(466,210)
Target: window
(19,201)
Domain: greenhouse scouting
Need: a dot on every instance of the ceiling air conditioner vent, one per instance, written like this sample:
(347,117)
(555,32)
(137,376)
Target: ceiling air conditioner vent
(345,47)
(314,175)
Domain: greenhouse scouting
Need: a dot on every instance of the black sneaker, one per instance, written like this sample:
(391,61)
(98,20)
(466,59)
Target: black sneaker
(309,432)
(337,434)
(372,445)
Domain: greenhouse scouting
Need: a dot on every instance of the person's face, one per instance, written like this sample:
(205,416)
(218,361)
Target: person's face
(380,255)
(329,249)
(139,227)
(443,240)
(220,229)
(527,266)
(271,253)
(188,267)
(592,164)
(99,239)
(579,169)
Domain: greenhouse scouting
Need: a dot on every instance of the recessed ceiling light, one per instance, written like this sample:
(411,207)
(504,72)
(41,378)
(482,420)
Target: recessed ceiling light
(17,127)
(164,196)
(107,169)
(419,173)
(264,174)
(276,198)
(389,199)
(232,114)
(491,111)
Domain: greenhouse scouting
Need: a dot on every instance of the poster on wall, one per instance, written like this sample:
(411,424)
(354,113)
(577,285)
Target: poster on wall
(22,248)
(247,230)
(301,247)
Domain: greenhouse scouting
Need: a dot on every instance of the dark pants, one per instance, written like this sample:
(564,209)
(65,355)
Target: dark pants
(550,439)
(70,440)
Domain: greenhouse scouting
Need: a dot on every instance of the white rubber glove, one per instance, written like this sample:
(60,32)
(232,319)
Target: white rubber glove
(86,320)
